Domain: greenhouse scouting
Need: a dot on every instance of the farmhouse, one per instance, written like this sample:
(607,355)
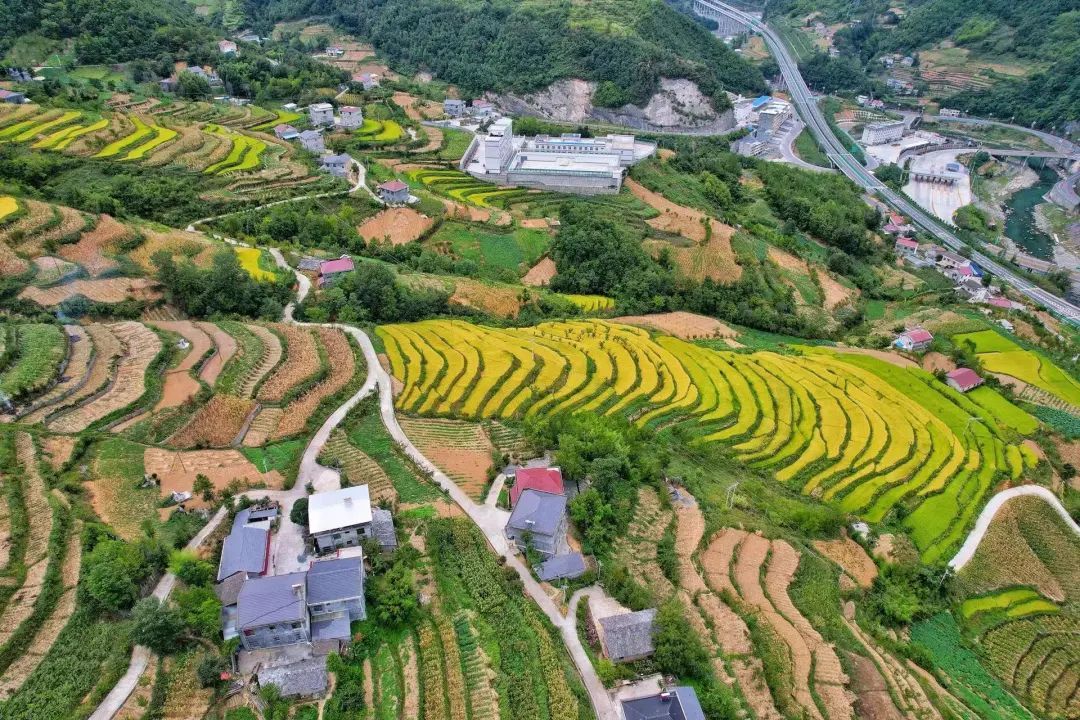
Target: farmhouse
(481,108)
(548,480)
(629,636)
(906,246)
(321,113)
(453,107)
(679,703)
(394,192)
(352,117)
(914,340)
(226,47)
(336,165)
(344,518)
(331,270)
(538,521)
(286,132)
(963,379)
(315,606)
(10,96)
(312,140)
(950,259)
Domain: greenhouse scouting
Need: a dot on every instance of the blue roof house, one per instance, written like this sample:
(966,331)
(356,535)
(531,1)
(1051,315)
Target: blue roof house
(539,521)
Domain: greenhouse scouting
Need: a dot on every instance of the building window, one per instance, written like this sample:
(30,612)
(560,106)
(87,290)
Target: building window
(296,626)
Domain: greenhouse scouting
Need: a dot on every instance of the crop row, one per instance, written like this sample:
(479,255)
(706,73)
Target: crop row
(1039,659)
(855,430)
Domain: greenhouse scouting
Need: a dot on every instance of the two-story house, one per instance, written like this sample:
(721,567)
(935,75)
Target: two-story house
(538,521)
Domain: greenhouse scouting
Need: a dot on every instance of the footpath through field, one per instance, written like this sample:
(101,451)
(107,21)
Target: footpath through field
(971,544)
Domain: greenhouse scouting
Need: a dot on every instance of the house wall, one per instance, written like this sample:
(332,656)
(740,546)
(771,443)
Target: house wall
(355,608)
(344,537)
(274,635)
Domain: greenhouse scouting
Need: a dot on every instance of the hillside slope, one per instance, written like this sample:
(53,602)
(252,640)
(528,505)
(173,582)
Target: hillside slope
(522,46)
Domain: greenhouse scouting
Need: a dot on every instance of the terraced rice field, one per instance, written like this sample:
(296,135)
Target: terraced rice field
(128,383)
(224,348)
(1023,584)
(40,518)
(245,153)
(106,290)
(591,303)
(342,364)
(8,206)
(106,351)
(263,426)
(300,365)
(39,349)
(852,429)
(460,449)
(76,370)
(998,354)
(358,467)
(760,571)
(216,424)
(89,251)
(249,260)
(461,186)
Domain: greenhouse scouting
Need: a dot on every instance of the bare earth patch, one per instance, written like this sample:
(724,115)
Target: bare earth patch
(177,469)
(934,361)
(179,385)
(461,450)
(851,557)
(90,250)
(226,348)
(673,218)
(501,301)
(398,225)
(540,274)
(57,449)
(685,325)
(835,293)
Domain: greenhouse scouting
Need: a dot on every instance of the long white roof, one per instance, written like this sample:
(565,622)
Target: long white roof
(338,509)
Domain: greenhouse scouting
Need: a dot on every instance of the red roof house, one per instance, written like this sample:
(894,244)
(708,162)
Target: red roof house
(547,480)
(963,379)
(332,268)
(905,243)
(896,219)
(1003,303)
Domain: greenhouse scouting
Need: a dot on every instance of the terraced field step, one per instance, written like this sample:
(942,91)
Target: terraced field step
(1039,396)
(263,426)
(359,467)
(76,369)
(271,356)
(483,700)
(107,351)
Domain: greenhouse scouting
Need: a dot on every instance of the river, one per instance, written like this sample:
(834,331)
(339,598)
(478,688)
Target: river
(1020,225)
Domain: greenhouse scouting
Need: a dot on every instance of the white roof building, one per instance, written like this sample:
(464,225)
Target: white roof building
(348,507)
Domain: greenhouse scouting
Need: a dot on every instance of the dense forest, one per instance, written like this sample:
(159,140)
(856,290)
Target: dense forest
(106,31)
(524,46)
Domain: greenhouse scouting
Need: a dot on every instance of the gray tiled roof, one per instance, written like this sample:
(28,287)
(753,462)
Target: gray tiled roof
(244,550)
(228,590)
(310,134)
(570,565)
(338,579)
(271,599)
(629,634)
(679,703)
(335,629)
(382,525)
(538,512)
(305,678)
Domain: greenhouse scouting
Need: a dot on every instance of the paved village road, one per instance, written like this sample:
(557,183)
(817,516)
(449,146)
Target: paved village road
(971,544)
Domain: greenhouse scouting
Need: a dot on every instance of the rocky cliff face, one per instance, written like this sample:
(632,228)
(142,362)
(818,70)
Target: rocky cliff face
(678,107)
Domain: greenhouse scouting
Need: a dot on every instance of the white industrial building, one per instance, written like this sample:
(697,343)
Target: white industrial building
(568,163)
(883,132)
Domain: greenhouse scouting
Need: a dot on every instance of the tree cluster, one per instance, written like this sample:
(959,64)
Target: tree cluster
(224,288)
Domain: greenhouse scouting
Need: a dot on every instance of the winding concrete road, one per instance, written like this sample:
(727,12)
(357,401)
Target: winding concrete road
(971,544)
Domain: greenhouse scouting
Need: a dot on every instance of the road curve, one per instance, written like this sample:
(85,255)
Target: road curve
(806,104)
(971,544)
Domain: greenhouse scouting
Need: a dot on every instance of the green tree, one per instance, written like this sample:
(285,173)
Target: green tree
(202,486)
(157,626)
(395,595)
(679,650)
(192,87)
(200,609)
(190,570)
(299,512)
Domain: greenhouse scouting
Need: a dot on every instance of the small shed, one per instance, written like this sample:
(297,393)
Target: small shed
(629,636)
(570,565)
(963,379)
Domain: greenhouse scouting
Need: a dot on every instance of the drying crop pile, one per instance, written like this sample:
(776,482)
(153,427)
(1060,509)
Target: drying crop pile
(859,432)
(1023,584)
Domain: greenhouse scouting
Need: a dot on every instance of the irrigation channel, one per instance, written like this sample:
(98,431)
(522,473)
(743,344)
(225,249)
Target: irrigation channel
(1020,226)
